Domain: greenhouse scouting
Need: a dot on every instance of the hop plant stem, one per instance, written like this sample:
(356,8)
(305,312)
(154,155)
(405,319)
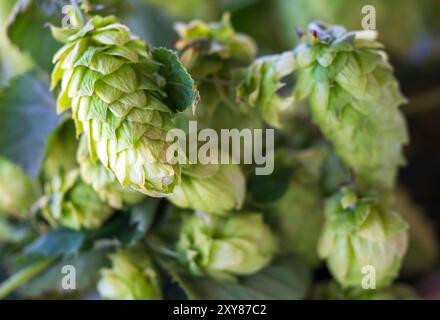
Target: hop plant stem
(24,276)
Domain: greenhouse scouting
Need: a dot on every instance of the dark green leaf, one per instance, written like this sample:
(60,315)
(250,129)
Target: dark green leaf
(57,242)
(287,278)
(142,216)
(87,267)
(265,189)
(27,116)
(179,86)
(27,28)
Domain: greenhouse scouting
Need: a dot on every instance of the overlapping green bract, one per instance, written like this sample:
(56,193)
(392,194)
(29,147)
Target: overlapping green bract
(240,244)
(262,81)
(112,85)
(103,181)
(212,52)
(213,48)
(69,201)
(212,188)
(73,203)
(359,234)
(132,276)
(354,99)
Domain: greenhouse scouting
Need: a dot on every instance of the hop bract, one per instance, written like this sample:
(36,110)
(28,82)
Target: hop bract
(262,81)
(132,276)
(213,48)
(360,234)
(73,203)
(110,82)
(354,99)
(212,188)
(103,181)
(240,244)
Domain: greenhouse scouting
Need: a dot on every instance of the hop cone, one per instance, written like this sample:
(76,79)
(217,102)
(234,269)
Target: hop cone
(17,191)
(216,189)
(209,49)
(73,203)
(211,52)
(354,99)
(111,83)
(262,81)
(132,276)
(103,181)
(223,248)
(399,29)
(359,233)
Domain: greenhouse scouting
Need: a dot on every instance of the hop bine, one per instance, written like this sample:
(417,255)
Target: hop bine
(226,247)
(112,85)
(354,99)
(359,232)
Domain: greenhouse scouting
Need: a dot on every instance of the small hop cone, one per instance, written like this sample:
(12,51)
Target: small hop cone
(211,51)
(359,233)
(217,189)
(210,48)
(132,276)
(112,86)
(73,203)
(226,247)
(354,100)
(262,81)
(17,190)
(104,181)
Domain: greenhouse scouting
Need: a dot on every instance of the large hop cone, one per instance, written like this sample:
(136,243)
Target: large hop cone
(111,83)
(354,99)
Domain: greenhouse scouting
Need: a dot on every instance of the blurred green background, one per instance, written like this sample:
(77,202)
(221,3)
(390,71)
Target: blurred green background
(410,30)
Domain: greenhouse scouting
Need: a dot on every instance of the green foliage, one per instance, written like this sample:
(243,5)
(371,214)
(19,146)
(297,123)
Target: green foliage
(28,31)
(287,278)
(26,119)
(107,200)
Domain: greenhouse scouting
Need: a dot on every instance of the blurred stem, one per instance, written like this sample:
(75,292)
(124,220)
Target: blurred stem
(24,276)
(423,102)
